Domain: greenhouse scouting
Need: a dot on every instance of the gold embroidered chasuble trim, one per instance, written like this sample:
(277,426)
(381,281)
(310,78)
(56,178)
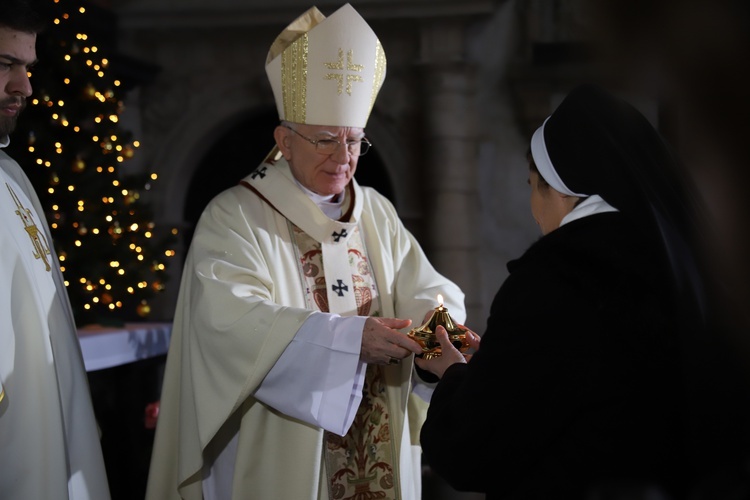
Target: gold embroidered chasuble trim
(362,464)
(38,239)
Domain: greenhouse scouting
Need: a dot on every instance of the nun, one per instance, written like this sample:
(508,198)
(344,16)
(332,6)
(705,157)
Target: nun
(578,386)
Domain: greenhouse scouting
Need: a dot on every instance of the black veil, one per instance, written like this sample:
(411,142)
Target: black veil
(601,144)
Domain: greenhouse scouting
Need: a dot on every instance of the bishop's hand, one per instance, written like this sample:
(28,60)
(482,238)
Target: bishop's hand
(383,343)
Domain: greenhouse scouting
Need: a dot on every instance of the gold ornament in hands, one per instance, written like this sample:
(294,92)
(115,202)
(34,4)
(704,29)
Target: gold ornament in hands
(425,334)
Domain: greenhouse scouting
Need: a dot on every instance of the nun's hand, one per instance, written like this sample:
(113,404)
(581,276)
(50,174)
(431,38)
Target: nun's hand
(473,340)
(450,355)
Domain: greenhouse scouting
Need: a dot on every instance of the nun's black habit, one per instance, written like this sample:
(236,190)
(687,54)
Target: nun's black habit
(578,388)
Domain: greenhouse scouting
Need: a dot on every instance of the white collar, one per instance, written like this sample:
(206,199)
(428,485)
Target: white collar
(593,204)
(4,141)
(331,208)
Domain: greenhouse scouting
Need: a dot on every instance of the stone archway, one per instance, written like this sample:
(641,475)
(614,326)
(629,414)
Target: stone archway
(230,158)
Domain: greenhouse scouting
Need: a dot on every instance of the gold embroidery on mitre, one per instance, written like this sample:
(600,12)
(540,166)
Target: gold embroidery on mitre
(294,80)
(350,66)
(38,240)
(377,80)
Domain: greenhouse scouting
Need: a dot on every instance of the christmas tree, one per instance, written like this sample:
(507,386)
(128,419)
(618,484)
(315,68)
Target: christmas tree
(70,143)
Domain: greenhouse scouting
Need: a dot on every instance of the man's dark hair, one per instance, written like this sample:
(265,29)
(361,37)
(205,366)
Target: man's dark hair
(30,16)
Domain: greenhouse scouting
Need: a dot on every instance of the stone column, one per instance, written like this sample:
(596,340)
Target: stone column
(452,157)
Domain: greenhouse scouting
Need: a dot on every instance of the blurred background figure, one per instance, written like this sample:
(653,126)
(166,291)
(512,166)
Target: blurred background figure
(692,55)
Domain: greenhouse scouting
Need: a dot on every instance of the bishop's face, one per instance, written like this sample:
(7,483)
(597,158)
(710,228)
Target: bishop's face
(17,54)
(322,173)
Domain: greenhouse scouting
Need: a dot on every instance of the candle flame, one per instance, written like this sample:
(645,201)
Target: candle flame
(440,300)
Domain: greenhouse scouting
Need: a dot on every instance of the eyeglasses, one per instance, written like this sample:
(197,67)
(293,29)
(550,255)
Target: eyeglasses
(355,147)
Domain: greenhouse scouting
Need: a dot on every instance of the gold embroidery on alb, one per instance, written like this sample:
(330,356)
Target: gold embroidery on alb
(41,247)
(350,66)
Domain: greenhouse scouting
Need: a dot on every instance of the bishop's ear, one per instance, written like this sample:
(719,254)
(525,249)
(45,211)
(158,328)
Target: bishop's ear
(283,141)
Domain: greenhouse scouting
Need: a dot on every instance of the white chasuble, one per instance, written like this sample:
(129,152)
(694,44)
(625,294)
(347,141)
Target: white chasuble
(49,443)
(246,298)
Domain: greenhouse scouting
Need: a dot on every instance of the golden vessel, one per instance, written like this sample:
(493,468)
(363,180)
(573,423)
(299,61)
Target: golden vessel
(425,334)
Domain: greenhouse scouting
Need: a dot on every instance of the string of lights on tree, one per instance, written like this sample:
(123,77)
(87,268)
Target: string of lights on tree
(70,143)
